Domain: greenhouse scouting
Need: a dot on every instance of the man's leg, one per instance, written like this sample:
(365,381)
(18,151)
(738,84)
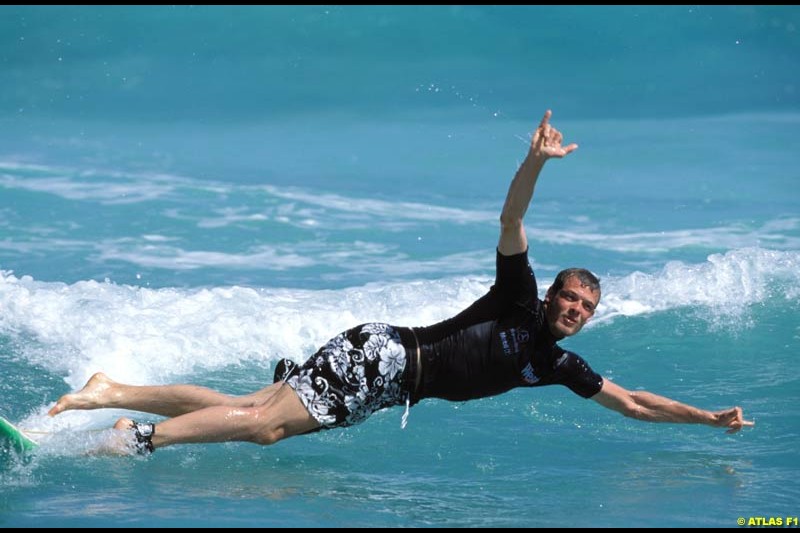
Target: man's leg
(168,400)
(282,416)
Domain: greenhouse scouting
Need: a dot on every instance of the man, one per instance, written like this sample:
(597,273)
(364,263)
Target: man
(506,339)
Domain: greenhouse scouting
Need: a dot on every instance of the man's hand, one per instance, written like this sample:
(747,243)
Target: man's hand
(546,142)
(731,418)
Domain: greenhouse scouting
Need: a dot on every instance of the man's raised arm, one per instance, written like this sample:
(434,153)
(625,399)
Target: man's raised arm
(546,143)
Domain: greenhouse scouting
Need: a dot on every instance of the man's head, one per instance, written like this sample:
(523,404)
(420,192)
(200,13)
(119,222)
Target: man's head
(571,301)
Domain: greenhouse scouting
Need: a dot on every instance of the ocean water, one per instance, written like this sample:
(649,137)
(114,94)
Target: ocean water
(188,194)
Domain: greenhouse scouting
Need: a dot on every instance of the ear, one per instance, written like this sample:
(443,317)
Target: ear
(547,298)
(549,295)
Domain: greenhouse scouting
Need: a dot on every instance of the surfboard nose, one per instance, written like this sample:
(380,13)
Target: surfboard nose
(14,438)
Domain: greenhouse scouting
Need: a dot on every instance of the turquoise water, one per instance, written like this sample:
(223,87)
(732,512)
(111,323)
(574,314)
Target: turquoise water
(188,194)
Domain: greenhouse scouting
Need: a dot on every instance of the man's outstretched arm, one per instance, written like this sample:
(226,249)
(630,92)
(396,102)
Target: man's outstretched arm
(650,407)
(546,143)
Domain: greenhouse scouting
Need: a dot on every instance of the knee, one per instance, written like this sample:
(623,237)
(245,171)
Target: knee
(268,435)
(281,417)
(263,428)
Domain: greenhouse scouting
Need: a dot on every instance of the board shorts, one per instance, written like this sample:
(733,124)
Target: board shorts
(355,374)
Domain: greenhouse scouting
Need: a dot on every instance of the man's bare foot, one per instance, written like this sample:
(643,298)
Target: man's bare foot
(118,442)
(94,395)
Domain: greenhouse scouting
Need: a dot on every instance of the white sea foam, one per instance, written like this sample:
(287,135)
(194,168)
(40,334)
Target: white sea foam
(176,258)
(113,187)
(108,187)
(351,258)
(103,191)
(726,284)
(381,208)
(771,234)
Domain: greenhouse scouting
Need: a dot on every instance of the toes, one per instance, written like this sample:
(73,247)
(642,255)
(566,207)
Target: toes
(57,408)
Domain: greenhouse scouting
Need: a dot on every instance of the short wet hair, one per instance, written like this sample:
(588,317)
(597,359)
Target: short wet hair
(586,278)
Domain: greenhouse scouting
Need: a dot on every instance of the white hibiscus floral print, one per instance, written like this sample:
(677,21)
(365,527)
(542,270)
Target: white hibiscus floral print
(355,374)
(305,390)
(393,360)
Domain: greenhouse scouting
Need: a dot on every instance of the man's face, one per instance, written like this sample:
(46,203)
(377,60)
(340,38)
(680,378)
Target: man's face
(570,308)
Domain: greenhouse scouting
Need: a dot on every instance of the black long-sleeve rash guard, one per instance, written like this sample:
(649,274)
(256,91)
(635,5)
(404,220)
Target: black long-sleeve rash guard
(500,342)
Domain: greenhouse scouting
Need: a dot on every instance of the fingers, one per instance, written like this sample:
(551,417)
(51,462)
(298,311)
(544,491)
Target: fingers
(734,419)
(545,118)
(539,138)
(545,130)
(737,427)
(547,140)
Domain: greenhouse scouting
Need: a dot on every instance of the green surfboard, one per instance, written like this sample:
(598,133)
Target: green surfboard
(12,436)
